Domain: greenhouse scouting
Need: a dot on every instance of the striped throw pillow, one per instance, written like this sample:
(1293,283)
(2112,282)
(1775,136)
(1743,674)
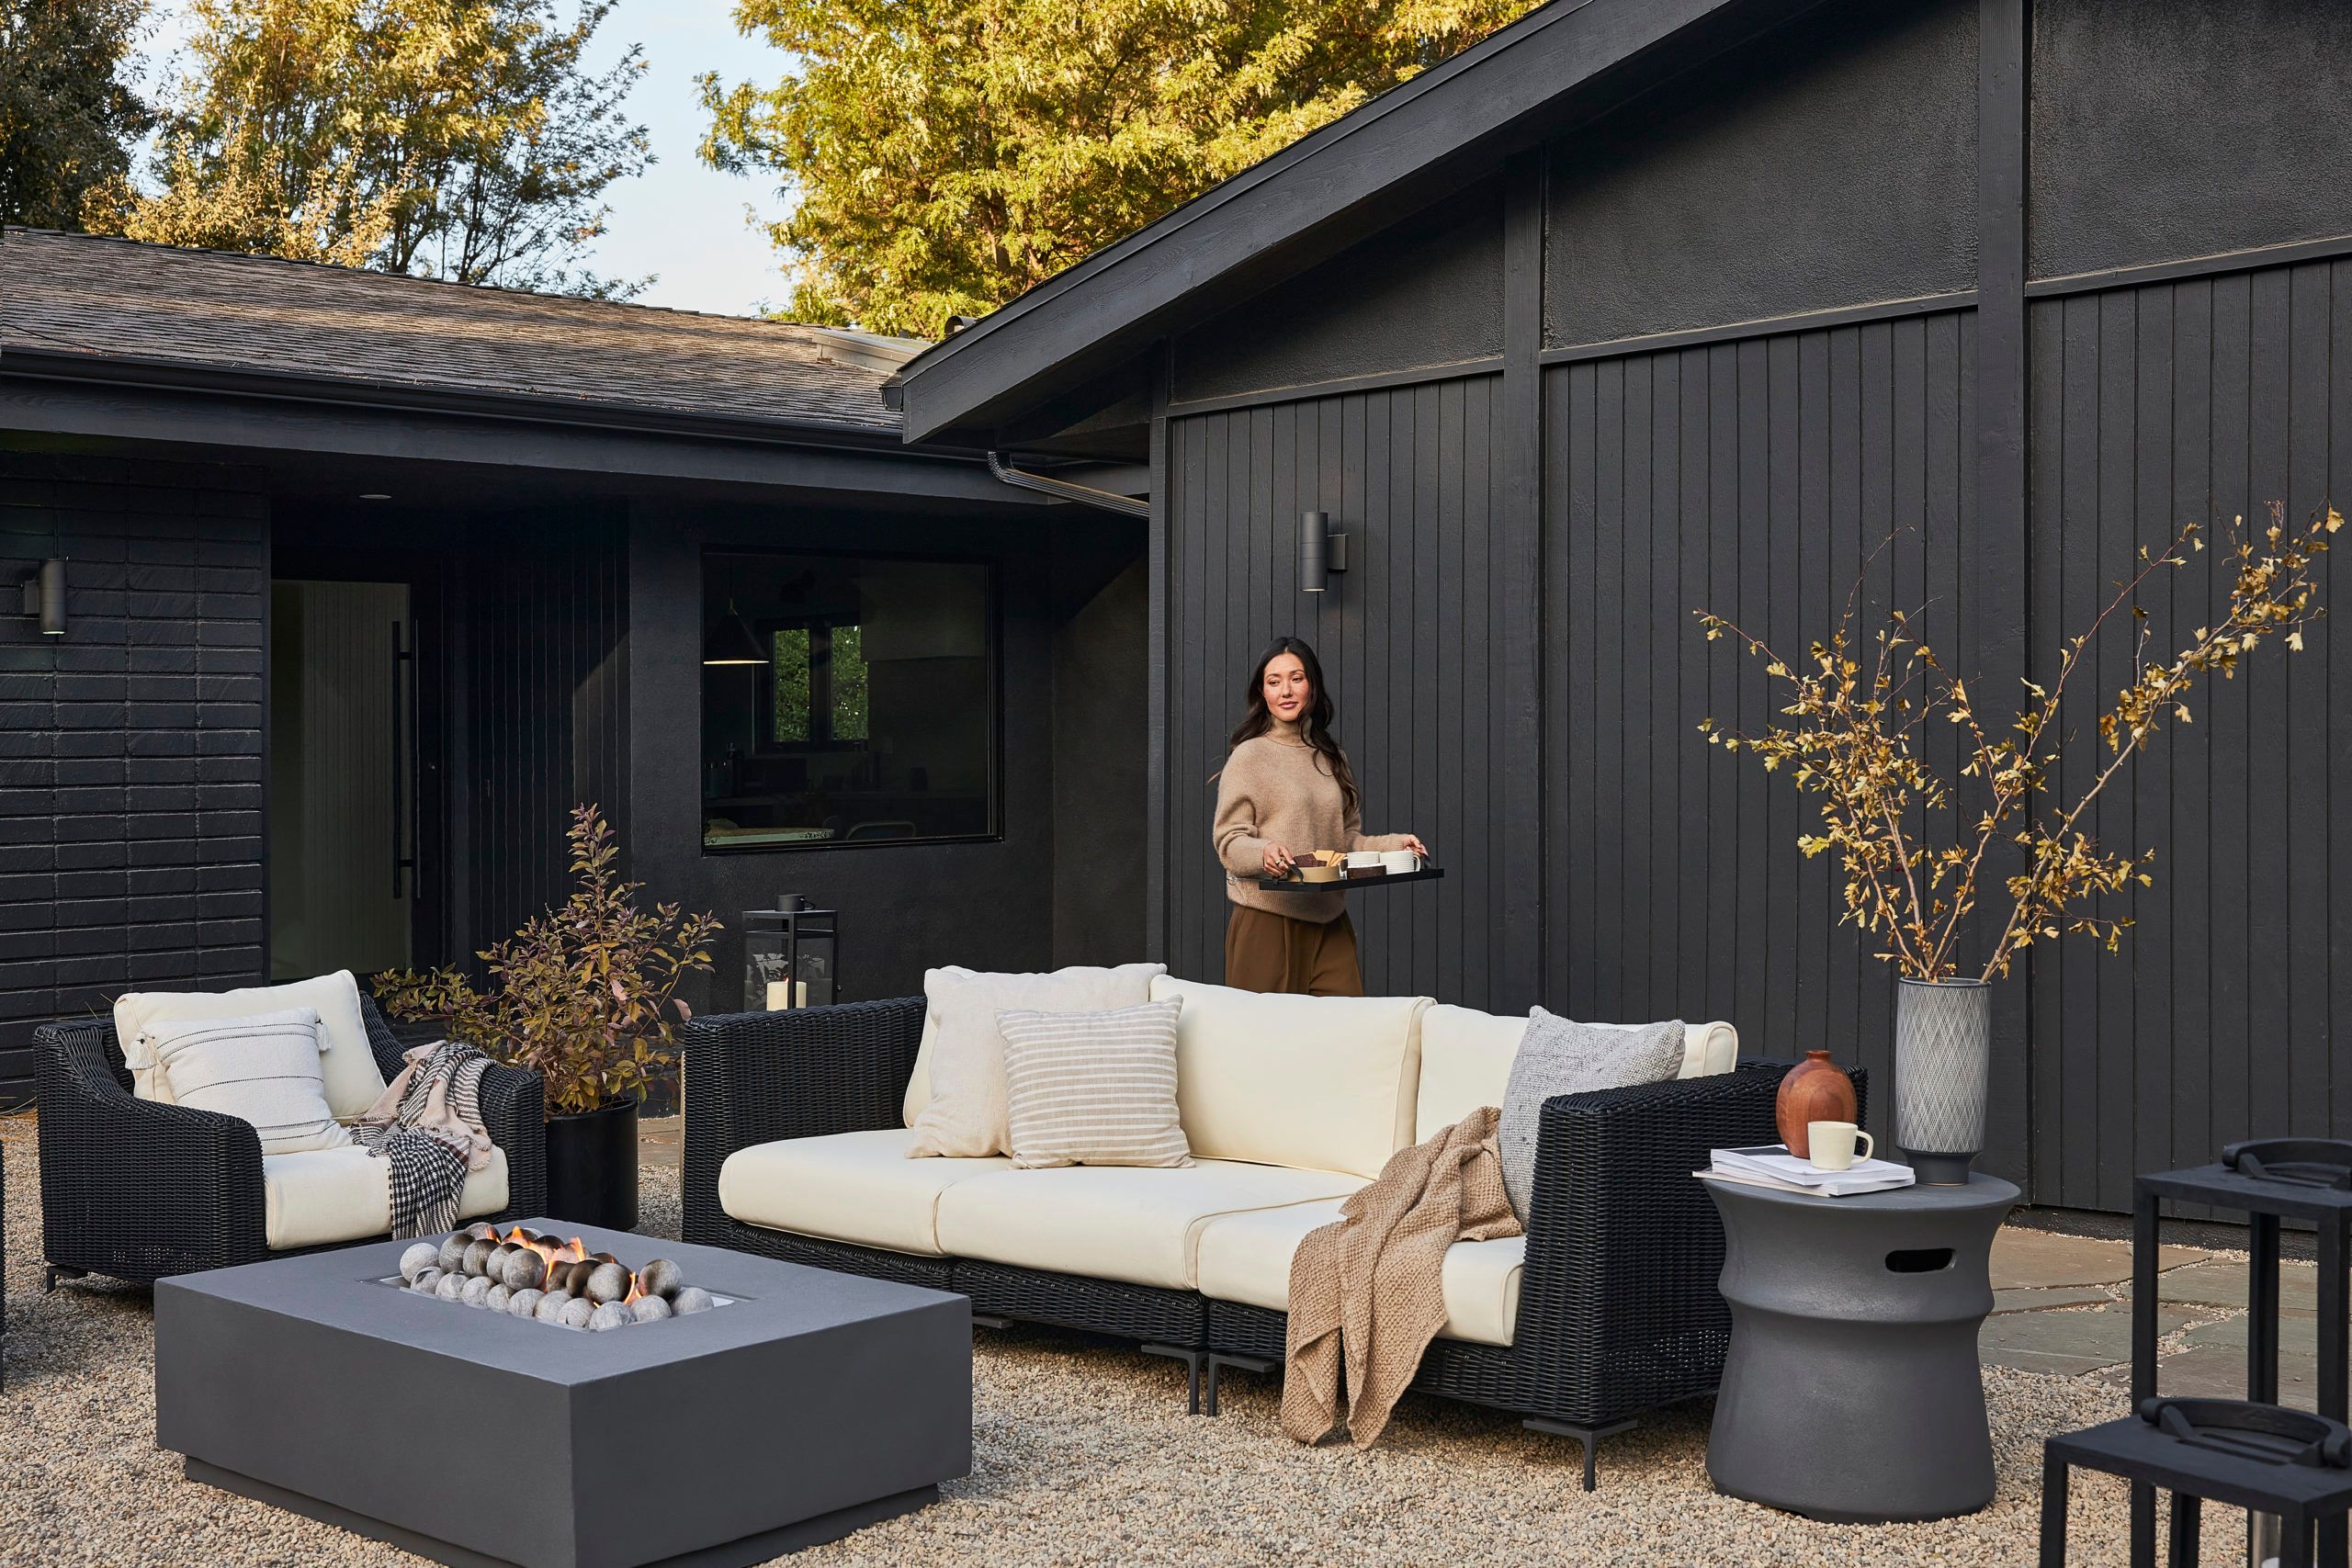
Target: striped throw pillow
(1093,1088)
(263,1069)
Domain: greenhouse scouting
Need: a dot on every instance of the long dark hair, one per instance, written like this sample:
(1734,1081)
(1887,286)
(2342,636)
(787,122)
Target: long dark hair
(1256,719)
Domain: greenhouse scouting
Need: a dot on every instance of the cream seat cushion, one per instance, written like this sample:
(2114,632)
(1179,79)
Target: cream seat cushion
(1466,1056)
(348,1066)
(329,1195)
(1317,1083)
(1132,1223)
(856,1187)
(1246,1258)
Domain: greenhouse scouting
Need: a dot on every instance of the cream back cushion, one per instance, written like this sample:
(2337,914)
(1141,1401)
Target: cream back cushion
(263,1070)
(919,1084)
(1315,1083)
(1466,1056)
(353,1080)
(966,1117)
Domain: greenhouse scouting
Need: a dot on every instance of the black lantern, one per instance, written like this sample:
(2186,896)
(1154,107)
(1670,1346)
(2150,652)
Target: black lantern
(790,956)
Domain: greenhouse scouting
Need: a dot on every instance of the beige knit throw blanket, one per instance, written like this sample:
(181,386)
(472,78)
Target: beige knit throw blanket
(1366,1293)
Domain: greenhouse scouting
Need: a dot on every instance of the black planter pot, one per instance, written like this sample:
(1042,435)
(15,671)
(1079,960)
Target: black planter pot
(591,1166)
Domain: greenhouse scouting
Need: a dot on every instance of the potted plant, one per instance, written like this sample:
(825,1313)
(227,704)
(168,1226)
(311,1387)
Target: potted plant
(1916,845)
(585,995)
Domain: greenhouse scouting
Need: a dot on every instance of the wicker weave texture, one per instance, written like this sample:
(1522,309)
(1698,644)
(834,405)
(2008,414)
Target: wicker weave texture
(136,1189)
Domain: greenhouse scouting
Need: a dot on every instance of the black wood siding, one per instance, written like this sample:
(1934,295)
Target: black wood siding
(133,749)
(1413,476)
(2155,406)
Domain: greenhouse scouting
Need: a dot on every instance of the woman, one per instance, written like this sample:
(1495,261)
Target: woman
(1286,788)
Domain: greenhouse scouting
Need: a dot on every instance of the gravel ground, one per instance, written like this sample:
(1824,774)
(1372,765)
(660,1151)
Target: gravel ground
(1083,1455)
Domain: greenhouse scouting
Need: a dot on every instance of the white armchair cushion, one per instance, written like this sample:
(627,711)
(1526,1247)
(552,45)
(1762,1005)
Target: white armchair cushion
(335,1195)
(348,1066)
(1246,1258)
(1316,1083)
(1466,1056)
(263,1070)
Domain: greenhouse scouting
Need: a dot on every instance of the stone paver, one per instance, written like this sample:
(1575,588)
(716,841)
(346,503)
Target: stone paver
(2222,1282)
(2067,1343)
(660,1141)
(2040,1259)
(2056,1296)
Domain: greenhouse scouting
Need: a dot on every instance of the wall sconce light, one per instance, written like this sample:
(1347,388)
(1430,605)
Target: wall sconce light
(45,598)
(1320,552)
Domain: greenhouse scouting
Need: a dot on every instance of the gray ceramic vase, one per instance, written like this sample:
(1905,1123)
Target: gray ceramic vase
(1943,1050)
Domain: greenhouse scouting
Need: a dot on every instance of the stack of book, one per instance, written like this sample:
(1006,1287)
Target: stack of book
(1772,1166)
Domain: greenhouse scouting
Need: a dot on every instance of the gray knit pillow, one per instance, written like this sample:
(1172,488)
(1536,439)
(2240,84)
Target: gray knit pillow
(1559,1056)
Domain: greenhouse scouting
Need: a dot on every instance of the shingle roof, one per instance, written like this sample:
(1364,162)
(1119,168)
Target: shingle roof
(117,298)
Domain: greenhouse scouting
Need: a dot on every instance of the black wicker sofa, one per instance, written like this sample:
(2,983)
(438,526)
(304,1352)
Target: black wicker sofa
(1618,1311)
(137,1189)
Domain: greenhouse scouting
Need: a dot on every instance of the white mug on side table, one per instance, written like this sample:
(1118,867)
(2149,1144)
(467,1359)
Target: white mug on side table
(1831,1146)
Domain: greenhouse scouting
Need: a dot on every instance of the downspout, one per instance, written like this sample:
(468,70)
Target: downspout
(1085,495)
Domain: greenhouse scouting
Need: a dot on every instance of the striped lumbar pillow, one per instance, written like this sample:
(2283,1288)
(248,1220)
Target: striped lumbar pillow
(263,1069)
(1093,1088)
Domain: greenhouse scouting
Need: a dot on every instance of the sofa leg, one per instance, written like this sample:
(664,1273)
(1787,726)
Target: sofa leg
(1588,1437)
(1218,1360)
(989,1320)
(1194,1362)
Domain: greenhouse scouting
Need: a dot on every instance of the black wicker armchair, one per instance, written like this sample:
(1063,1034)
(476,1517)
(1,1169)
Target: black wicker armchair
(141,1190)
(1619,1311)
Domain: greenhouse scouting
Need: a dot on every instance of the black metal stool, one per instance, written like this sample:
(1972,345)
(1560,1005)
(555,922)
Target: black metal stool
(2256,1457)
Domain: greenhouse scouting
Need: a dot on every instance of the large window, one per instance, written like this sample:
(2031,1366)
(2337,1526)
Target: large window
(846,700)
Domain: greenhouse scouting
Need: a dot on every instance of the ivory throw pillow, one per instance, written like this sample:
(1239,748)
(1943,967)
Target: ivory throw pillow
(353,1078)
(263,1069)
(966,1117)
(1559,1056)
(1093,1088)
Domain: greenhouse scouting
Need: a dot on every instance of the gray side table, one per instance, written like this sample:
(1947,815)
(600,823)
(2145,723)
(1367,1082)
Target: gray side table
(1852,1391)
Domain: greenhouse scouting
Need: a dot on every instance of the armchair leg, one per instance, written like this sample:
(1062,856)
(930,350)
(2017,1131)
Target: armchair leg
(56,1272)
(1588,1437)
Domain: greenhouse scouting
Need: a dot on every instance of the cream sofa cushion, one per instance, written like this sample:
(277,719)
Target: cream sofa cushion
(353,1080)
(967,1115)
(918,1093)
(1318,1083)
(1132,1223)
(330,1195)
(1246,1258)
(856,1187)
(1466,1056)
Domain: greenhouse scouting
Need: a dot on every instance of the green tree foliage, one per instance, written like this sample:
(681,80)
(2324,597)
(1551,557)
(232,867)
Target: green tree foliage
(454,139)
(942,155)
(68,114)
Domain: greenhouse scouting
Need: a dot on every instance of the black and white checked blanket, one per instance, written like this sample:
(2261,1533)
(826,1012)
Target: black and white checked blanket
(428,1152)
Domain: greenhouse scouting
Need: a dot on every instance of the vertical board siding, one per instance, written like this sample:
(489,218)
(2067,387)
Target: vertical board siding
(2196,400)
(1410,475)
(1760,479)
(546,712)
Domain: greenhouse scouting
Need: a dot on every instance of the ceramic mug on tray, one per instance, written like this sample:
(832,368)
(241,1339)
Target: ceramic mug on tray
(1830,1145)
(1398,862)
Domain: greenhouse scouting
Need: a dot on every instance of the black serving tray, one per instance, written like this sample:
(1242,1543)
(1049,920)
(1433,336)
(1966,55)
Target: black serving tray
(1348,884)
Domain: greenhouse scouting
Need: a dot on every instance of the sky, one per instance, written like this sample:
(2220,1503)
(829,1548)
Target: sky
(679,220)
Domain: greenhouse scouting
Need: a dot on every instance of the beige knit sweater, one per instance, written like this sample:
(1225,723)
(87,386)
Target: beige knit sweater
(1277,790)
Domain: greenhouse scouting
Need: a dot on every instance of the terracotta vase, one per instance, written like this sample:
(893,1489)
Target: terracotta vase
(1816,1090)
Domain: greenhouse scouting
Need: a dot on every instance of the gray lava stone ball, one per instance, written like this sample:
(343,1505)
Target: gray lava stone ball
(481,1230)
(477,1257)
(551,1306)
(422,1256)
(693,1298)
(525,1269)
(426,1278)
(576,1313)
(496,1297)
(606,1282)
(453,1252)
(522,1303)
(449,1287)
(611,1314)
(661,1278)
(496,1265)
(476,1292)
(649,1309)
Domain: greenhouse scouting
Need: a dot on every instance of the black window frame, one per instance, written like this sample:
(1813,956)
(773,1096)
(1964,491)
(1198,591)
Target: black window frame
(763,629)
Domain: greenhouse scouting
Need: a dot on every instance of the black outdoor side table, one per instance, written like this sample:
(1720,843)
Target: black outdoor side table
(1852,1391)
(2265,1202)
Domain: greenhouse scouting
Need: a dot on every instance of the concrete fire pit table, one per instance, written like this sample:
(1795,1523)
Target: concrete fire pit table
(815,1404)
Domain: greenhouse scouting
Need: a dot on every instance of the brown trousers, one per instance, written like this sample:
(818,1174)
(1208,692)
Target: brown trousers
(1265,951)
